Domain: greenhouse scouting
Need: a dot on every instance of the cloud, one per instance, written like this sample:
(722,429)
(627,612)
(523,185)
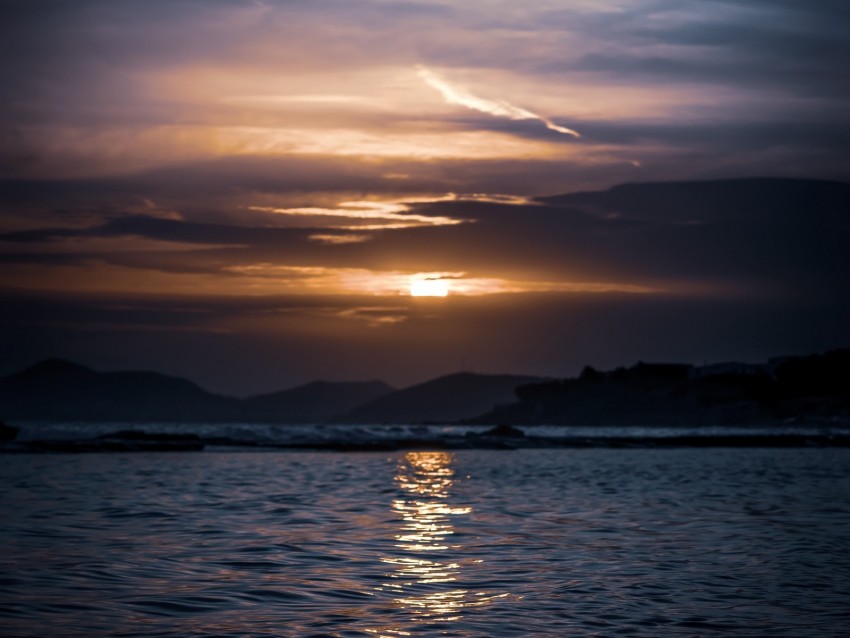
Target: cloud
(388,215)
(325,238)
(658,239)
(458,95)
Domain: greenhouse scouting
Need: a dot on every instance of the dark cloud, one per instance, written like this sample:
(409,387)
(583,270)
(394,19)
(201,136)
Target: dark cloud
(774,235)
(783,50)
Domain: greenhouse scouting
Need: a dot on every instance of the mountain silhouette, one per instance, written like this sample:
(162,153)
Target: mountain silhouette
(315,402)
(60,390)
(811,388)
(56,389)
(448,398)
(814,388)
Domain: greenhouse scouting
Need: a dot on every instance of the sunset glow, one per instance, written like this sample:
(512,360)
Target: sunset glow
(380,190)
(429,288)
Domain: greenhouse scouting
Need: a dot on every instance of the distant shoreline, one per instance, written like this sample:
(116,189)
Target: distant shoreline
(497,438)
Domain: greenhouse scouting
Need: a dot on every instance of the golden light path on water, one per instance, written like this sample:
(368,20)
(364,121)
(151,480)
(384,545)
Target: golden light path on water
(428,569)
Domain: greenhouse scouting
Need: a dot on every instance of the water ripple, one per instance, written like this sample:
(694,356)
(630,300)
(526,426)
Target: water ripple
(682,543)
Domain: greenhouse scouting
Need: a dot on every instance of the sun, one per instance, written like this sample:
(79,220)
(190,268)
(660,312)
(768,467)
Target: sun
(429,288)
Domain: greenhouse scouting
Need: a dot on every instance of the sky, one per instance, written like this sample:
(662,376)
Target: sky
(255,194)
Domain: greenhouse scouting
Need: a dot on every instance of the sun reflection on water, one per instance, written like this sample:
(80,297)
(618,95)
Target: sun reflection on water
(427,568)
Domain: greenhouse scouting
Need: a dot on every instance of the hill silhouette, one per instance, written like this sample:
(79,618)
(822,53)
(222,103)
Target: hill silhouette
(448,398)
(60,390)
(315,402)
(815,388)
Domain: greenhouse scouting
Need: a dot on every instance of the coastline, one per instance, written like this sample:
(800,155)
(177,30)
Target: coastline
(258,437)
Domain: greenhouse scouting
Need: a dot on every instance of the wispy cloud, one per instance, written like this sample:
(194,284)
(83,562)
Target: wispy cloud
(454,94)
(458,283)
(266,278)
(278,100)
(388,215)
(339,239)
(376,316)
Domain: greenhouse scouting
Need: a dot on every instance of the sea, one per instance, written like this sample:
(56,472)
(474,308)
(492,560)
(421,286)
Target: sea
(560,542)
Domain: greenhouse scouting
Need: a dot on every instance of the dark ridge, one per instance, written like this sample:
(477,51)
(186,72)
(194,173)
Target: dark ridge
(49,370)
(445,399)
(798,389)
(318,401)
(60,390)
(813,388)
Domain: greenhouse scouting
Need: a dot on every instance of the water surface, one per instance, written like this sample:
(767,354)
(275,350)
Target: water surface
(598,542)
